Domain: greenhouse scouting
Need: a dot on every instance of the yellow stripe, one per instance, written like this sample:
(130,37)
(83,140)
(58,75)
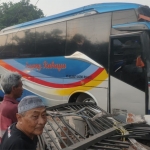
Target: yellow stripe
(84,87)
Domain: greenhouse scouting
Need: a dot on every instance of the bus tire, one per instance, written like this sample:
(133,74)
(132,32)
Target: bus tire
(85,98)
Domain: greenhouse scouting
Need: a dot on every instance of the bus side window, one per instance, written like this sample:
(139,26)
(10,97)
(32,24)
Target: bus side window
(90,35)
(23,43)
(51,40)
(3,40)
(7,50)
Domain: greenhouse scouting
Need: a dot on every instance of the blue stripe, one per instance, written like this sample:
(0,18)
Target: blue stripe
(73,68)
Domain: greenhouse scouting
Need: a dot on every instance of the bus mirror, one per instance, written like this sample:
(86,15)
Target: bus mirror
(139,62)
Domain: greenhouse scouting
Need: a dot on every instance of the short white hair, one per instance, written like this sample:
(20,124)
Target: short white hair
(9,80)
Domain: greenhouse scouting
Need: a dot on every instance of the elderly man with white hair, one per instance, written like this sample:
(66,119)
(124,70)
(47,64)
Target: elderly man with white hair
(31,119)
(12,86)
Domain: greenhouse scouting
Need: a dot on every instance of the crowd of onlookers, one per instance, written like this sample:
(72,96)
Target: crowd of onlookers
(20,122)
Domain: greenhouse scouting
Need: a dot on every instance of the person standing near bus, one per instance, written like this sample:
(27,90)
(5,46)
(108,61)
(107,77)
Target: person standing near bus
(12,86)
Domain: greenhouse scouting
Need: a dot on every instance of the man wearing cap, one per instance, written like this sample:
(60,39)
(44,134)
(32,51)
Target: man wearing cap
(31,119)
(12,86)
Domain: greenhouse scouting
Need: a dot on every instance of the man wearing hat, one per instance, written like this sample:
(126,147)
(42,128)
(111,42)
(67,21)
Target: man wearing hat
(31,119)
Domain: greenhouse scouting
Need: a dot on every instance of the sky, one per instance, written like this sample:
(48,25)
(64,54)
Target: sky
(51,7)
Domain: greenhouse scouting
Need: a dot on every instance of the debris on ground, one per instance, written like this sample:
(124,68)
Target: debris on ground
(80,126)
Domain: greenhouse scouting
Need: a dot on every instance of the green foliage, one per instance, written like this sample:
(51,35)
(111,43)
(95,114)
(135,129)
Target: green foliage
(15,13)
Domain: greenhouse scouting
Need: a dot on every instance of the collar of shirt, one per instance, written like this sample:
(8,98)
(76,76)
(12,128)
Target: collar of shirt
(7,98)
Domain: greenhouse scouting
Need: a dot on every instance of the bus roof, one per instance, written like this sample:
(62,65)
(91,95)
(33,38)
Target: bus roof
(100,8)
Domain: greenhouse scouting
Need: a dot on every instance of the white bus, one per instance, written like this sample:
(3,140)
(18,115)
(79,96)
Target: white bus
(98,53)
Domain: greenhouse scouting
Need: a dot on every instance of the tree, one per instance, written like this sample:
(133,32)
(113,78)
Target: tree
(15,13)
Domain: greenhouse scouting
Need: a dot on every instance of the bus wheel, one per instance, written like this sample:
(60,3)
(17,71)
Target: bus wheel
(85,98)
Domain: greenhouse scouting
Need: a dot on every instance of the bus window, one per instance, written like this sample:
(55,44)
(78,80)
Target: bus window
(122,17)
(125,16)
(3,39)
(124,54)
(24,43)
(90,35)
(6,51)
(8,47)
(50,40)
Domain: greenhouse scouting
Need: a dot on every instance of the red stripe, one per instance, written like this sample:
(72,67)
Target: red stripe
(54,85)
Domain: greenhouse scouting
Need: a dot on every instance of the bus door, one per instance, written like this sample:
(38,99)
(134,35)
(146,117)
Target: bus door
(127,73)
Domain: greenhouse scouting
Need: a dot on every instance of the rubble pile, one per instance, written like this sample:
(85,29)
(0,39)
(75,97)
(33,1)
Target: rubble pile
(78,126)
